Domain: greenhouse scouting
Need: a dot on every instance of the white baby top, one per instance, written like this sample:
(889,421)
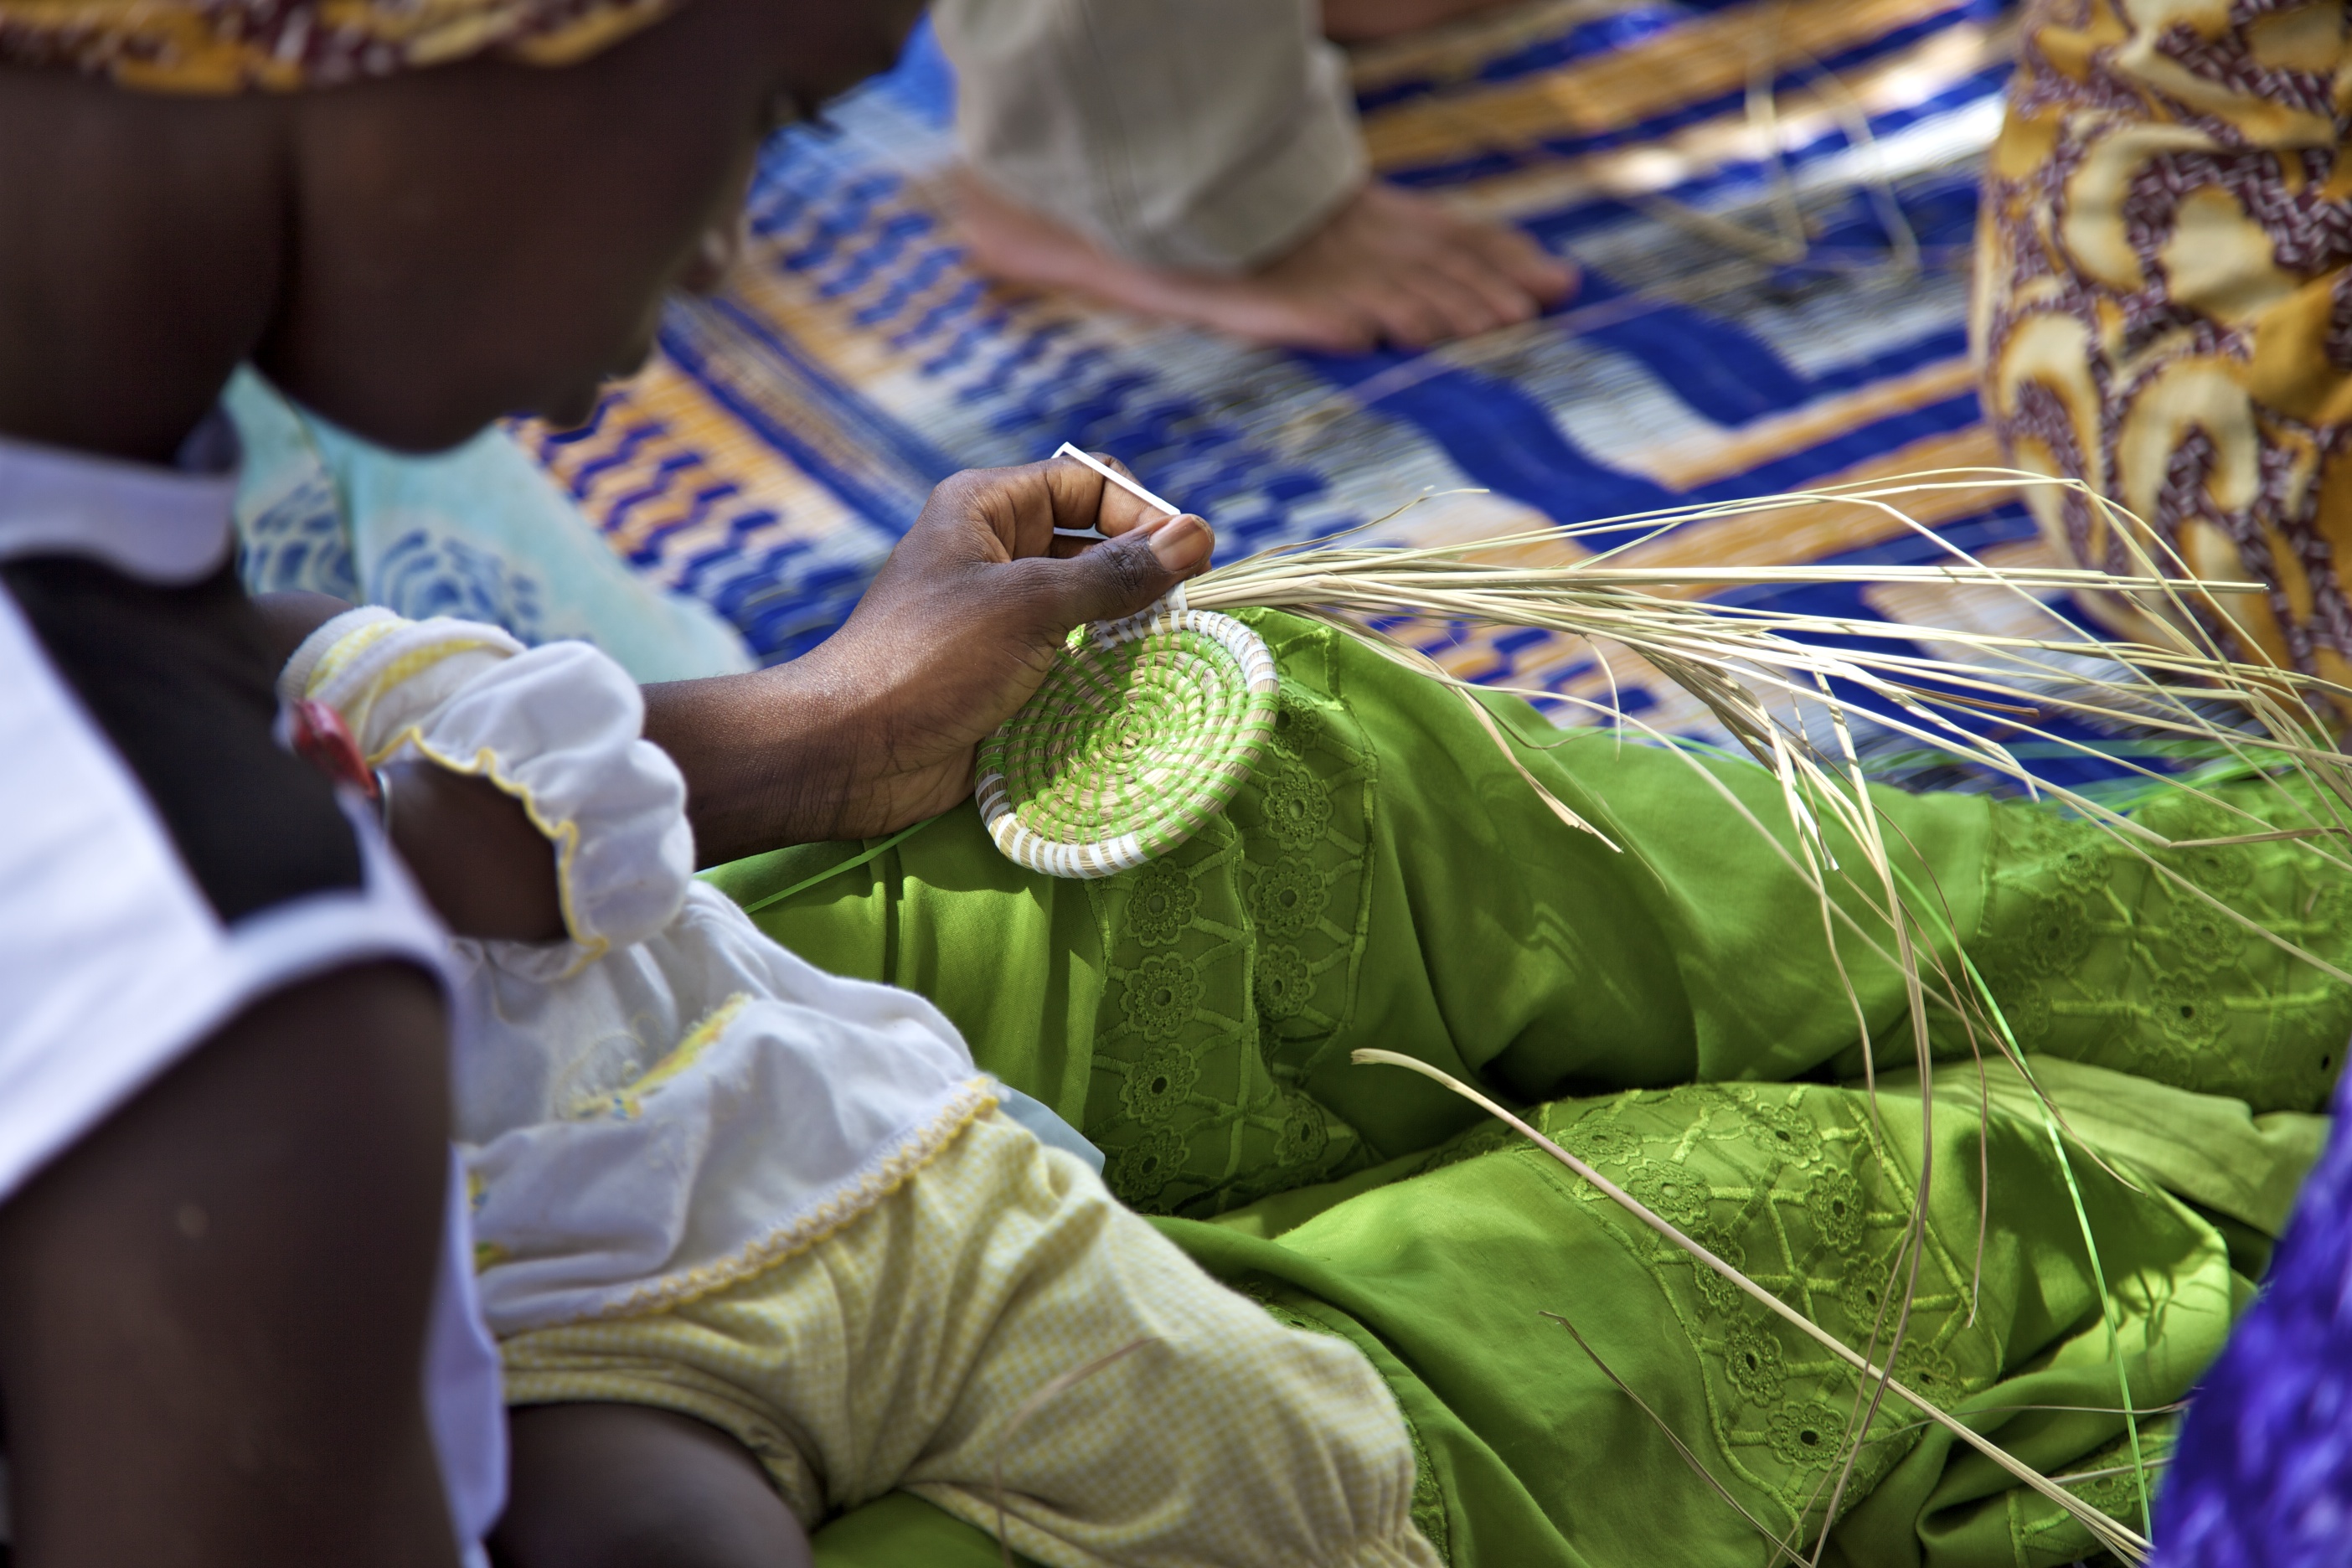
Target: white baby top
(667,1100)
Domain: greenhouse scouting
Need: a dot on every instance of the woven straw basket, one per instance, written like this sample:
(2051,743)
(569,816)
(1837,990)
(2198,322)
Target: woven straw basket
(1142,732)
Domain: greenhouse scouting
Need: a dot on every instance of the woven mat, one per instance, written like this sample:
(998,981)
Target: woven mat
(1772,202)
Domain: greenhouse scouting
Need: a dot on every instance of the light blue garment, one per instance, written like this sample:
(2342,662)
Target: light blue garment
(1047,1128)
(480,532)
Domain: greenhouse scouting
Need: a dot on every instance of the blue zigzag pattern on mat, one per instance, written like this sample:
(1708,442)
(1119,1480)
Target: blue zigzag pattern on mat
(834,215)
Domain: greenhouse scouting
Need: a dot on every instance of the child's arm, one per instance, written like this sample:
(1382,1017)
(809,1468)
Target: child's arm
(474,853)
(875,729)
(471,848)
(519,787)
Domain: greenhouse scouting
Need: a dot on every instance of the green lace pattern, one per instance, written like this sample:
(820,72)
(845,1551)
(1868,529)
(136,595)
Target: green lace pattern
(1782,1182)
(2108,1482)
(2094,956)
(1231,965)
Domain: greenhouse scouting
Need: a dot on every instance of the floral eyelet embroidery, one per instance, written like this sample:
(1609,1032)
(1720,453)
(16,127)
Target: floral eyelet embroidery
(1753,1356)
(2079,867)
(1720,1293)
(1160,995)
(1139,1171)
(1296,725)
(1159,1082)
(1597,1143)
(1672,1193)
(1290,895)
(2218,869)
(1163,904)
(1928,1372)
(2071,853)
(2054,936)
(1241,947)
(1296,807)
(2205,936)
(1304,1136)
(2187,1011)
(1785,1131)
(1807,1434)
(1836,1204)
(1284,986)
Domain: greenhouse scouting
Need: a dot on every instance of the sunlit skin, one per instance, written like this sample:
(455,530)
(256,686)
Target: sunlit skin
(412,258)
(1387,266)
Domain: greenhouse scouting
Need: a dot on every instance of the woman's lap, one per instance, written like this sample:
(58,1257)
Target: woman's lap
(1389,879)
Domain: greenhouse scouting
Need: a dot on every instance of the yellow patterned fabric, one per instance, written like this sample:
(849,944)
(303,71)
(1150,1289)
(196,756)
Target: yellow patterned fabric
(900,1354)
(241,46)
(2164,304)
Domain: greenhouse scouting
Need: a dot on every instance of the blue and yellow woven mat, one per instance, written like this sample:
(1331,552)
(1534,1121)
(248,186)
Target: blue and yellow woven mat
(1772,202)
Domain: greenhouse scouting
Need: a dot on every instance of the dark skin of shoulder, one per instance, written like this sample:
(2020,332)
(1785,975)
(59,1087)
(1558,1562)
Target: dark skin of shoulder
(410,258)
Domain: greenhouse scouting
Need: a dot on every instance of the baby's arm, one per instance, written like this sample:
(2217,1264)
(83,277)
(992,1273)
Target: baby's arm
(627,1486)
(474,853)
(470,846)
(519,787)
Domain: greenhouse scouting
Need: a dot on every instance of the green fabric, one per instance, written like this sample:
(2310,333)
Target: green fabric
(902,1531)
(1388,878)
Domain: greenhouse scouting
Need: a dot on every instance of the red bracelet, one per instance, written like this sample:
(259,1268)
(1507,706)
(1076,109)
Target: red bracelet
(321,738)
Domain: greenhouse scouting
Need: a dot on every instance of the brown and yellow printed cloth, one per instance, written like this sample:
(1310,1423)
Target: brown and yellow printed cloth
(243,45)
(2164,294)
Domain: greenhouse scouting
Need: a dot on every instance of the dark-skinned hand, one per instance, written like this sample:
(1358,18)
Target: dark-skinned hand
(877,727)
(871,731)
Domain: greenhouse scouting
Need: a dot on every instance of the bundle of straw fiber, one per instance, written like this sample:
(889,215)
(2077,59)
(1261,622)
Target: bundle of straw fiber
(1794,690)
(1147,722)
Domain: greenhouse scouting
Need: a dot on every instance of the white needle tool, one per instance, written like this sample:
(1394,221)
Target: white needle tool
(1115,477)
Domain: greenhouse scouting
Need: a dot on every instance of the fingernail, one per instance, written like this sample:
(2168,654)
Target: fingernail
(1180,543)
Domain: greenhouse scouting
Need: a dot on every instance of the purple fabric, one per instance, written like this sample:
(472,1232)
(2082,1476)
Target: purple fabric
(2263,1476)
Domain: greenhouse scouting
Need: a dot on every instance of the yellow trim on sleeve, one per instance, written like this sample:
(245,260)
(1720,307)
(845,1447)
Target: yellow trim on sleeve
(564,834)
(416,661)
(349,647)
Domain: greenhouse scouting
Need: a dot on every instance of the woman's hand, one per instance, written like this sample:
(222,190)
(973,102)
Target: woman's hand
(876,728)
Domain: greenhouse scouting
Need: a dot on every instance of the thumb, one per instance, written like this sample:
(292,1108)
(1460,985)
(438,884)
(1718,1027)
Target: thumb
(1122,575)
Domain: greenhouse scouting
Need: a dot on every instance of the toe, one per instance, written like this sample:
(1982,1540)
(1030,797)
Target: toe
(1502,298)
(1546,277)
(1406,317)
(1462,309)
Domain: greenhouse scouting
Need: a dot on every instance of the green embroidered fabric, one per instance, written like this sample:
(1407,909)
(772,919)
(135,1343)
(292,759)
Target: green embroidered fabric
(1676,1011)
(1439,1269)
(1231,963)
(2095,955)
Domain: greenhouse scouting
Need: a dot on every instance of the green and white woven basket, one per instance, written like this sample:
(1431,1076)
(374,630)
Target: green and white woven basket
(1142,732)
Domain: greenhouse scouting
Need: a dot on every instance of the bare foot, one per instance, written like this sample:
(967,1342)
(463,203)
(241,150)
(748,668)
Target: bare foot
(1388,266)
(1363,21)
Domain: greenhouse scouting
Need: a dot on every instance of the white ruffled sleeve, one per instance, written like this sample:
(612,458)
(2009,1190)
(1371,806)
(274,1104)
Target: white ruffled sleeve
(559,727)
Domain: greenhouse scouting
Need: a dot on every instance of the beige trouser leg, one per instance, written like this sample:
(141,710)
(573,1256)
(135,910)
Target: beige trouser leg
(1208,135)
(920,1348)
